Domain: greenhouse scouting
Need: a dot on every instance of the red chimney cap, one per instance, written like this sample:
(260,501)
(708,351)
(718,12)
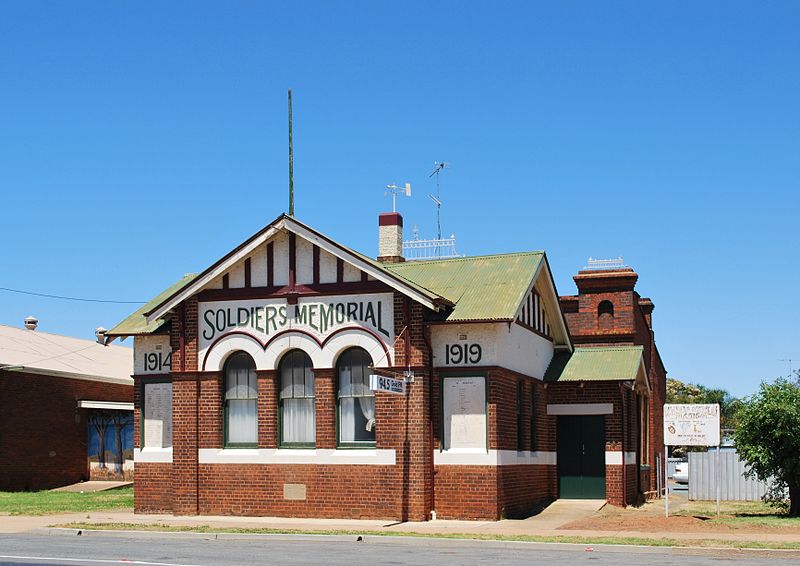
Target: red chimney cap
(390,219)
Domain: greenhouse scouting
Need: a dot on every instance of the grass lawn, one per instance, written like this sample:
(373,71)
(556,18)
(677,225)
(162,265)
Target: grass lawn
(739,514)
(48,502)
(638,541)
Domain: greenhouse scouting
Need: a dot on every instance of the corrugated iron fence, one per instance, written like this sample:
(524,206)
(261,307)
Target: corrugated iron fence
(733,485)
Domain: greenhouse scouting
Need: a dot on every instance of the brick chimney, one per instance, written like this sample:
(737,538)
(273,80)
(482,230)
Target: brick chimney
(390,237)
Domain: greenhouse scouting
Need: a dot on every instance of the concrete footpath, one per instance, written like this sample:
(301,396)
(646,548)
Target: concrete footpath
(543,525)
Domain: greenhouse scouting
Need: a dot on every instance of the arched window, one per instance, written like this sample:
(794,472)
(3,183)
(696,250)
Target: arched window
(296,404)
(241,400)
(605,308)
(356,399)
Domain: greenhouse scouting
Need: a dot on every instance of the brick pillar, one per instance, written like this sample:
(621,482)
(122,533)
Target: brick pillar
(267,409)
(416,456)
(210,414)
(184,443)
(325,407)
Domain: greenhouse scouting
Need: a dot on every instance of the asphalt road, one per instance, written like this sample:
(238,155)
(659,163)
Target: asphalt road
(206,550)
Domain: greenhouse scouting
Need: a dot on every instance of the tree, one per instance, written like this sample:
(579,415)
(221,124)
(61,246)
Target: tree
(768,438)
(680,392)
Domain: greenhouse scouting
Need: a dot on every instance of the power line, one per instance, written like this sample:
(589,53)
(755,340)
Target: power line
(63,298)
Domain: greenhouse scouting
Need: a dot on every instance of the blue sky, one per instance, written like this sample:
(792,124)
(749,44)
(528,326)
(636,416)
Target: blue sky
(140,141)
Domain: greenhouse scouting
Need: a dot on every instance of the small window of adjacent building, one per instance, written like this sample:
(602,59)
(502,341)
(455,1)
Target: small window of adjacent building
(296,404)
(520,420)
(241,401)
(356,399)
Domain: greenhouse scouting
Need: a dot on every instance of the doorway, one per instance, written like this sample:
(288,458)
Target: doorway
(581,457)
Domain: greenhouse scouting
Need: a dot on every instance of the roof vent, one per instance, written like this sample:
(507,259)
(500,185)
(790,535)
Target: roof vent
(100,333)
(616,263)
(31,322)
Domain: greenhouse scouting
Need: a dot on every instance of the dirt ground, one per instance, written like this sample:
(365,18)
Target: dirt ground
(650,518)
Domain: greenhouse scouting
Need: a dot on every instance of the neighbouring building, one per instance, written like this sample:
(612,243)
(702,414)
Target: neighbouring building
(66,409)
(297,377)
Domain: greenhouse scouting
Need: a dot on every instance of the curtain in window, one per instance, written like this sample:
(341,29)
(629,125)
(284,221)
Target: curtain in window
(298,422)
(241,399)
(356,400)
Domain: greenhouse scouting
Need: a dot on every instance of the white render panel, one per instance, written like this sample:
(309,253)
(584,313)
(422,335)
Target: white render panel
(493,458)
(280,251)
(153,455)
(581,409)
(351,273)
(514,347)
(615,458)
(327,267)
(151,354)
(258,267)
(325,327)
(304,261)
(236,276)
(327,457)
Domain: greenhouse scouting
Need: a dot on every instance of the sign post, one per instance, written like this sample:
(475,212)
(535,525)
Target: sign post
(690,425)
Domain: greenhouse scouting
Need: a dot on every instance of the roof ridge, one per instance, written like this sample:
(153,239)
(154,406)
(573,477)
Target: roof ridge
(40,332)
(610,348)
(463,258)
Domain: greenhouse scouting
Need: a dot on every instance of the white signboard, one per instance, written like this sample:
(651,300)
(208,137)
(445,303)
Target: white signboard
(157,415)
(387,384)
(318,316)
(464,403)
(691,425)
(152,355)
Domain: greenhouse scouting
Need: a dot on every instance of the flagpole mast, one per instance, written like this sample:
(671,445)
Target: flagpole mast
(291,160)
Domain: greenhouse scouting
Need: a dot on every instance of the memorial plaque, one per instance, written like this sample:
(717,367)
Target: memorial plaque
(158,415)
(464,413)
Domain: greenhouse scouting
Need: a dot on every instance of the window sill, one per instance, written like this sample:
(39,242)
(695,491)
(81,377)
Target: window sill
(368,456)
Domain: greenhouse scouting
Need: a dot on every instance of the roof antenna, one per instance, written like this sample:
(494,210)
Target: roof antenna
(291,160)
(440,166)
(394,189)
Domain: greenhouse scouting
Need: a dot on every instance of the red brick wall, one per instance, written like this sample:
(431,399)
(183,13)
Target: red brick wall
(43,433)
(152,491)
(492,492)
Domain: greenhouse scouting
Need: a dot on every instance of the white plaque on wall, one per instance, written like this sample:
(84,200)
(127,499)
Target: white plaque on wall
(157,415)
(464,403)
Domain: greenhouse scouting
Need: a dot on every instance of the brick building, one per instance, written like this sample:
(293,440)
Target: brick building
(66,409)
(256,391)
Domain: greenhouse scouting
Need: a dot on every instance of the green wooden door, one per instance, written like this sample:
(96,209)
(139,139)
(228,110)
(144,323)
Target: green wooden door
(581,457)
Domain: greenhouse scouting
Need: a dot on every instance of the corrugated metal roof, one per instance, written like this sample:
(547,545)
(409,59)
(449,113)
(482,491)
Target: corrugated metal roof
(42,352)
(613,363)
(482,287)
(137,324)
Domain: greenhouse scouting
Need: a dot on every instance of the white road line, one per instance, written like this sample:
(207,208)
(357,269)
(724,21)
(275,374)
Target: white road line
(94,560)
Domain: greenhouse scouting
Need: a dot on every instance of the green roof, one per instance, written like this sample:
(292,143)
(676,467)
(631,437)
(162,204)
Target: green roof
(487,287)
(612,363)
(137,323)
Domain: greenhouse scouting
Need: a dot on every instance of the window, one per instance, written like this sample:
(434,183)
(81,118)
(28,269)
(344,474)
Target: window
(356,399)
(533,418)
(520,423)
(296,405)
(605,308)
(241,400)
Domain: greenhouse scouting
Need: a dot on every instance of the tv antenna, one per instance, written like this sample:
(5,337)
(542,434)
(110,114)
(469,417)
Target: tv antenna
(394,189)
(439,167)
(790,360)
